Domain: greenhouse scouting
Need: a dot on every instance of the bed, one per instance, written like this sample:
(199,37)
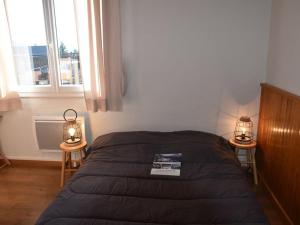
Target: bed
(114,186)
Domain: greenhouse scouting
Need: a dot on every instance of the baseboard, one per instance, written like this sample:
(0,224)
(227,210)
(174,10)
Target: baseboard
(35,163)
(52,157)
(269,190)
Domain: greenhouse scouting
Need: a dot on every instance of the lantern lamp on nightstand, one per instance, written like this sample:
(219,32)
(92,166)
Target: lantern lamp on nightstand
(243,133)
(72,134)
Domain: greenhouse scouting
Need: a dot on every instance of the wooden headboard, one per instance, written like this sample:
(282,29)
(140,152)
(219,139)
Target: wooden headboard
(278,155)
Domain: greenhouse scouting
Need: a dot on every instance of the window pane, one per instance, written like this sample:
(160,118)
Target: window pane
(27,28)
(68,54)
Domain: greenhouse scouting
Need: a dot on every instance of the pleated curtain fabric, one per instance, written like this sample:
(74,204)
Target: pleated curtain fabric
(99,37)
(9,99)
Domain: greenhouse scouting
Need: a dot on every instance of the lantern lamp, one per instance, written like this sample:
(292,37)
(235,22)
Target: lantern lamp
(243,133)
(72,134)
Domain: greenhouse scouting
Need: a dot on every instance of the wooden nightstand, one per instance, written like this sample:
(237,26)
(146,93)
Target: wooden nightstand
(67,164)
(250,154)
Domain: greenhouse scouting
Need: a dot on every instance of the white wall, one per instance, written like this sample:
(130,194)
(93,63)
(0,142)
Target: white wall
(284,50)
(192,64)
(17,128)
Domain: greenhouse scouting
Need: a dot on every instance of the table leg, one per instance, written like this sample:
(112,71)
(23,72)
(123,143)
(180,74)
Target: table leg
(237,151)
(81,159)
(254,166)
(82,152)
(63,165)
(6,161)
(249,159)
(2,156)
(69,159)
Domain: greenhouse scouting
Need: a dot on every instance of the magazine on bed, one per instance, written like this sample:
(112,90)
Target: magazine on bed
(166,164)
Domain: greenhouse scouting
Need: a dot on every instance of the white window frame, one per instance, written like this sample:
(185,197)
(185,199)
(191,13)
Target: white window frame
(55,88)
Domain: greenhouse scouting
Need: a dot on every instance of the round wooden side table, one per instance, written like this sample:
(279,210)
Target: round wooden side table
(250,154)
(67,163)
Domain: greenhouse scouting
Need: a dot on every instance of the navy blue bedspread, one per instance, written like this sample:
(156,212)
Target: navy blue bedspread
(114,186)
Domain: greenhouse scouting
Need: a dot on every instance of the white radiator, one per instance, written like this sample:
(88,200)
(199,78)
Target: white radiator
(49,132)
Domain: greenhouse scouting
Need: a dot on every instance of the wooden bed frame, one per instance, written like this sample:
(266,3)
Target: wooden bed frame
(278,155)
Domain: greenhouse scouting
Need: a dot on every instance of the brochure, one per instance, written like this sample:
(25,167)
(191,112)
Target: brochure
(166,164)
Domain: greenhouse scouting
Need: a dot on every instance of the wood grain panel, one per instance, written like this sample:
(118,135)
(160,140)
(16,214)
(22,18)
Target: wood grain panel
(278,155)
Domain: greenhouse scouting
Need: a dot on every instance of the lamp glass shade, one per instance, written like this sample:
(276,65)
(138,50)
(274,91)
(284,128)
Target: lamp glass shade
(243,133)
(72,134)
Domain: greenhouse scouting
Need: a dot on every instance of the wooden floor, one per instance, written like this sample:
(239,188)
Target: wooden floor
(271,210)
(25,191)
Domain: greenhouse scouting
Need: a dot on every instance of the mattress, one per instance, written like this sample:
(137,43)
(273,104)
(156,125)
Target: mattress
(114,186)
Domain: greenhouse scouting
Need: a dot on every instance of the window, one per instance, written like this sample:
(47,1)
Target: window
(45,47)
